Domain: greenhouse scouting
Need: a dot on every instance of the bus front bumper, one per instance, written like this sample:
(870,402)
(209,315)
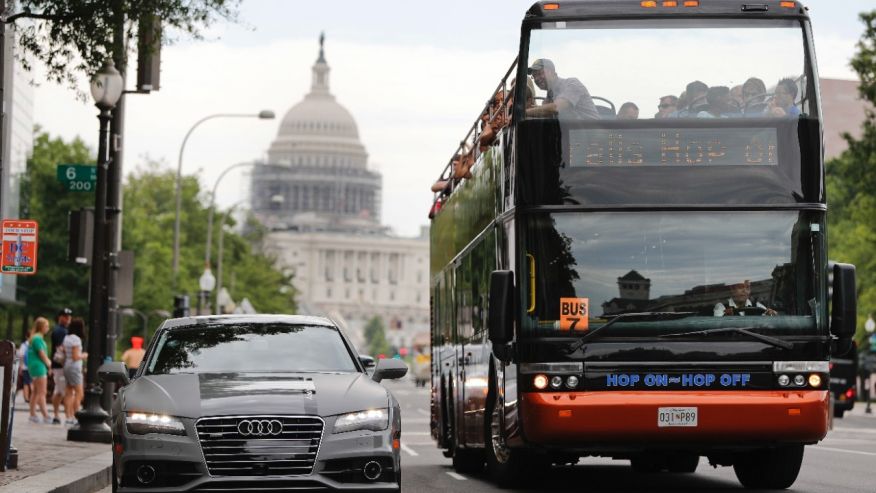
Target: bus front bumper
(630,417)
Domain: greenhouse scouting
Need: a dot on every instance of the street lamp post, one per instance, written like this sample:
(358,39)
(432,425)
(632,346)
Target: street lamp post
(207,283)
(212,209)
(106,88)
(263,115)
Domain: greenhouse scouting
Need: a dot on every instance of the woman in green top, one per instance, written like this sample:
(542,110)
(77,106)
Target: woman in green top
(38,364)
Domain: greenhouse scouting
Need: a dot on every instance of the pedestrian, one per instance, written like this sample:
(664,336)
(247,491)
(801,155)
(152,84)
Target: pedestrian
(134,356)
(58,335)
(73,369)
(23,374)
(38,364)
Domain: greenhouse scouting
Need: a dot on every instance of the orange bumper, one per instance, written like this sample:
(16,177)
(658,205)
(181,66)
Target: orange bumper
(631,417)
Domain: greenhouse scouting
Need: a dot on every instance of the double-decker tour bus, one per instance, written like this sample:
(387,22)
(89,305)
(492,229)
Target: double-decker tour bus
(628,249)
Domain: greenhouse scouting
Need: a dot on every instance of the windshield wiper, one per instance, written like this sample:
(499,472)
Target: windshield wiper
(627,317)
(739,330)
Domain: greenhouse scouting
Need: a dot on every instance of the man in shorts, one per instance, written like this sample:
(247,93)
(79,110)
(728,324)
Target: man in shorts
(59,332)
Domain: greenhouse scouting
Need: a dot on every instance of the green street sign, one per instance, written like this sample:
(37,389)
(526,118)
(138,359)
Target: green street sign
(77,177)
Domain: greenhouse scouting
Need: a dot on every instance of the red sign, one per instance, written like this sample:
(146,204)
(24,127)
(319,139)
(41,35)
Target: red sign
(19,255)
(575,314)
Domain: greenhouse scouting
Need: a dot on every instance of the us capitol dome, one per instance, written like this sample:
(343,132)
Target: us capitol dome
(316,177)
(321,205)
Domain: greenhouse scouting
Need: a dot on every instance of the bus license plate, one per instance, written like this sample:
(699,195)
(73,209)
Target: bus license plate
(676,416)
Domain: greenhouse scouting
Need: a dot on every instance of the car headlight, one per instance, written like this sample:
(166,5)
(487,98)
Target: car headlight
(143,423)
(372,419)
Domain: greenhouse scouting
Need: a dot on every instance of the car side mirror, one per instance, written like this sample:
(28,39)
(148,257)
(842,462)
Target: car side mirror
(389,369)
(844,310)
(114,372)
(501,313)
(367,361)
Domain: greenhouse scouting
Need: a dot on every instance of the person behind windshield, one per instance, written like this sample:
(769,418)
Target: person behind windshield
(753,97)
(567,99)
(782,104)
(667,106)
(695,95)
(740,298)
(628,111)
(720,103)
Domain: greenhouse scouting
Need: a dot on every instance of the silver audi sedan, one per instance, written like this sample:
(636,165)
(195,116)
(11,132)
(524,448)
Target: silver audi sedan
(254,403)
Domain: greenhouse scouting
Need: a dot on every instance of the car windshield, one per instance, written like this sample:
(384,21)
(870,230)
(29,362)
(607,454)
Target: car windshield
(668,68)
(711,269)
(250,348)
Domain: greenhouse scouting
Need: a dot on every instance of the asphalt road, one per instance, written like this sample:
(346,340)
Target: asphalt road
(845,462)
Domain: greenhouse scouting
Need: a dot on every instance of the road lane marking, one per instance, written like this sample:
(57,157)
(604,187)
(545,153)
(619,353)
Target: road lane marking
(853,430)
(831,449)
(458,477)
(409,450)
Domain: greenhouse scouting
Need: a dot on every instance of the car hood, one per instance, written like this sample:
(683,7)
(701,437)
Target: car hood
(214,394)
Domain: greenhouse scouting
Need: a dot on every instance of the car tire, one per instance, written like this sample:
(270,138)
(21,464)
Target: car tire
(114,480)
(769,469)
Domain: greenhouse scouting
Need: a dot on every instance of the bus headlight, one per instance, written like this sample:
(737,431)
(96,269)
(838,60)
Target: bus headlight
(784,380)
(572,382)
(815,380)
(799,380)
(556,382)
(540,382)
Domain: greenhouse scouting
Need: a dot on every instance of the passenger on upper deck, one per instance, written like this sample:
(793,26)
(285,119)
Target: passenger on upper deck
(739,300)
(628,111)
(753,97)
(567,99)
(695,95)
(667,106)
(783,99)
(720,105)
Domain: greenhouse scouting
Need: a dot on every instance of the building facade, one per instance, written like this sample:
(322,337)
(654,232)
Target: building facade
(322,203)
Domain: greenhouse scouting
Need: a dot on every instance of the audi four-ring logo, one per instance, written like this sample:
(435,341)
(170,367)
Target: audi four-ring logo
(259,427)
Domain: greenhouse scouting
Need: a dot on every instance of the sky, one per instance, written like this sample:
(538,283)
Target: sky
(414,75)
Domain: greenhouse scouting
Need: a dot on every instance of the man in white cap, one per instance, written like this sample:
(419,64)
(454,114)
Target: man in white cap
(567,99)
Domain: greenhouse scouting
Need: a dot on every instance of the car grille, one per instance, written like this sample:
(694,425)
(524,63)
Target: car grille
(259,445)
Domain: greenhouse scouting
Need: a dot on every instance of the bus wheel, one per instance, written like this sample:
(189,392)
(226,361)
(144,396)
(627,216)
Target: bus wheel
(508,467)
(774,469)
(645,464)
(683,463)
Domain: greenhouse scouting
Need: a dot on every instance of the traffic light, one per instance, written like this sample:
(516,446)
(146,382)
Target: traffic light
(181,305)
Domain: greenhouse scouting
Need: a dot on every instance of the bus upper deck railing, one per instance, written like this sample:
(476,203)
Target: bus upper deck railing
(484,132)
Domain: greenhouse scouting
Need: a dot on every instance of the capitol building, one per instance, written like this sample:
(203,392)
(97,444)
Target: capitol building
(321,204)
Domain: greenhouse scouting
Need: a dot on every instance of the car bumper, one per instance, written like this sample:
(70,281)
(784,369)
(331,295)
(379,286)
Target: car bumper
(630,418)
(180,467)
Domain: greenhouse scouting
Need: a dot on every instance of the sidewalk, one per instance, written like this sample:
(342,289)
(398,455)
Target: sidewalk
(48,462)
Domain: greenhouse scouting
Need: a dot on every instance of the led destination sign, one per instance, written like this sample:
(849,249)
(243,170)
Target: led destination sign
(673,147)
(679,380)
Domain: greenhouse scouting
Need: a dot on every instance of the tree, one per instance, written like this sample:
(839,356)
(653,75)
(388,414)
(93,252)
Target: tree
(375,337)
(851,184)
(58,283)
(73,36)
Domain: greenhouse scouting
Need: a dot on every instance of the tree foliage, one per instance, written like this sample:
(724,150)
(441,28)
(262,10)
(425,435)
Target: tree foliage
(71,36)
(375,337)
(851,183)
(147,230)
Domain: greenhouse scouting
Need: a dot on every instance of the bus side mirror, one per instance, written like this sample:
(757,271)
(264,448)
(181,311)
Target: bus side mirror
(501,313)
(844,311)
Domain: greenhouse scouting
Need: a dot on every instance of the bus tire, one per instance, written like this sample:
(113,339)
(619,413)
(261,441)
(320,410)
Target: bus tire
(645,464)
(683,463)
(838,413)
(773,469)
(508,467)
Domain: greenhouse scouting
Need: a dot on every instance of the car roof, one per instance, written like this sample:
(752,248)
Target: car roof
(218,320)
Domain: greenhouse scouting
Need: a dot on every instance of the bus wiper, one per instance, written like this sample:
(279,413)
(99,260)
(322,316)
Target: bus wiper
(627,317)
(739,330)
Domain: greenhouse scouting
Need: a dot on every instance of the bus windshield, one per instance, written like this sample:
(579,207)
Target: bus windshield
(668,68)
(759,268)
